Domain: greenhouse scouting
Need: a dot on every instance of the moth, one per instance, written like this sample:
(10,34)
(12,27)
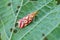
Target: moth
(26,20)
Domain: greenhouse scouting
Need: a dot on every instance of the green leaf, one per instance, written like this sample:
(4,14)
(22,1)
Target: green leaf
(44,25)
(43,11)
(7,18)
(55,34)
(46,21)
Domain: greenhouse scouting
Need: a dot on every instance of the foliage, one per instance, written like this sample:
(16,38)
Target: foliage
(45,26)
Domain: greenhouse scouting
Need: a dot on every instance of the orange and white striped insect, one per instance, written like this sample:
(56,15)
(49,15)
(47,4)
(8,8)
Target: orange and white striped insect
(26,20)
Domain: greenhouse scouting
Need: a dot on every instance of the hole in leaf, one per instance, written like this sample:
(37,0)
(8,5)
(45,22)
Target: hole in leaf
(9,4)
(43,34)
(33,0)
(45,37)
(16,24)
(18,7)
(11,29)
(16,11)
(15,31)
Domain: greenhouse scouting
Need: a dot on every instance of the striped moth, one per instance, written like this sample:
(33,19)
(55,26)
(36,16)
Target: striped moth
(26,20)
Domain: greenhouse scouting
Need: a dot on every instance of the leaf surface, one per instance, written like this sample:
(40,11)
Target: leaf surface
(44,25)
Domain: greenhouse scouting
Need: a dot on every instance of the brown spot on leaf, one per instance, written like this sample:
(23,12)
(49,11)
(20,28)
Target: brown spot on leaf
(45,38)
(58,2)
